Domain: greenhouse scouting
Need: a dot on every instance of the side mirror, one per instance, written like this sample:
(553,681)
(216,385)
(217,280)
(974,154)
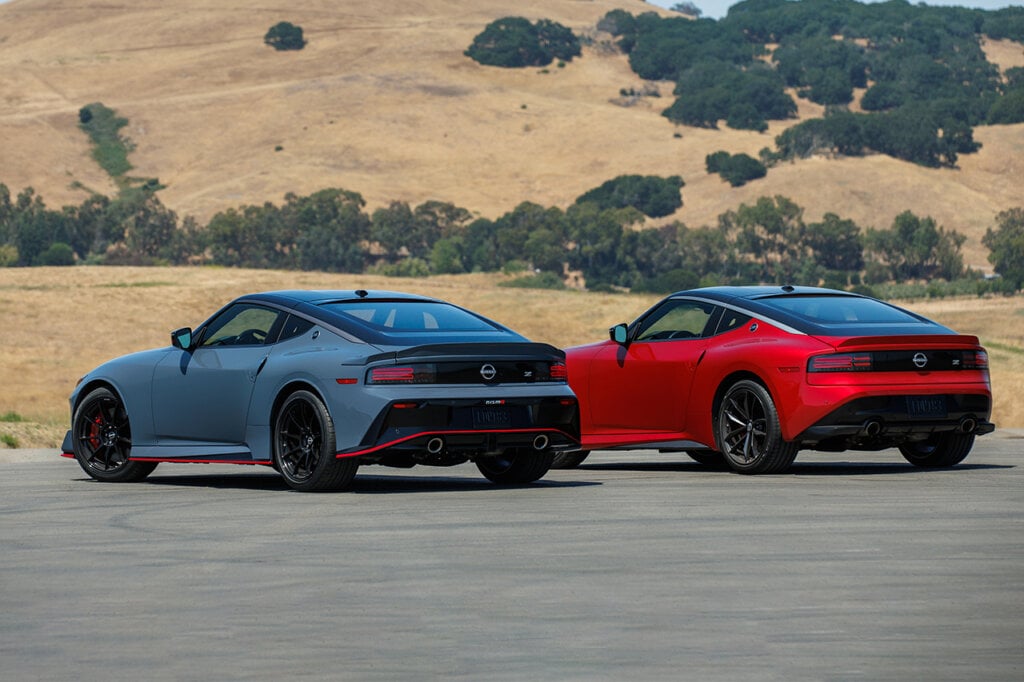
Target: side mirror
(618,333)
(182,338)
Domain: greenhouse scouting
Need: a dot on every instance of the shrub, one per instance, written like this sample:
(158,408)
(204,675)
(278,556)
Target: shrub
(651,195)
(57,253)
(514,42)
(737,169)
(8,255)
(103,126)
(285,36)
(543,280)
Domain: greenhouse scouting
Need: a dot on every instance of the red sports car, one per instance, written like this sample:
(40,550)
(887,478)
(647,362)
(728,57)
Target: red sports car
(747,376)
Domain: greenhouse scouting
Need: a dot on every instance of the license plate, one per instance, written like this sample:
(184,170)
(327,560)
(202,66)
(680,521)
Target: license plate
(926,406)
(491,417)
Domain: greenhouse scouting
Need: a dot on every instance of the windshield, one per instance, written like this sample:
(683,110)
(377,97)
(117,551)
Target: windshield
(411,316)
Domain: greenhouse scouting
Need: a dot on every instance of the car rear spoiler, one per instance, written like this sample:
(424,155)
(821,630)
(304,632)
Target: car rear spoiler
(485,351)
(912,341)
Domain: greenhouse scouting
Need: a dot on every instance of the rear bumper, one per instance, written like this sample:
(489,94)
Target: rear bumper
(460,429)
(878,422)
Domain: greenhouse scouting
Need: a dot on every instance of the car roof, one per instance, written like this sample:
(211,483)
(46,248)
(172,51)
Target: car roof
(291,297)
(729,293)
(757,300)
(312,304)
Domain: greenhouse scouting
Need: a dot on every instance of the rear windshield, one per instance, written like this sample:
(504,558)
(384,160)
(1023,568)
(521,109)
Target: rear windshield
(411,316)
(840,309)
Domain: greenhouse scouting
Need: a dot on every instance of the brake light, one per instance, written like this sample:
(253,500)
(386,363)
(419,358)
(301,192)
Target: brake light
(409,374)
(975,360)
(841,362)
(558,371)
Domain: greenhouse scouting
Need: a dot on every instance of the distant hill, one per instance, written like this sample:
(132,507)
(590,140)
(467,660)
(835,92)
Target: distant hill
(383,102)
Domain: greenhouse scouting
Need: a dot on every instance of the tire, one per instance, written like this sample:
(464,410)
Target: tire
(748,430)
(569,460)
(102,439)
(708,458)
(940,450)
(515,468)
(304,446)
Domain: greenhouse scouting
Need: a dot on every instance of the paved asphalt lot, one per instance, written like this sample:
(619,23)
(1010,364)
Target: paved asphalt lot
(636,566)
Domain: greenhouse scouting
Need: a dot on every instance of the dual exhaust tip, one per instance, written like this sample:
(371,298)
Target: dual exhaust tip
(873,427)
(436,445)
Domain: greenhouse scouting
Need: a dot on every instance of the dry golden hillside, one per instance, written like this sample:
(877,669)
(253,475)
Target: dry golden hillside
(383,102)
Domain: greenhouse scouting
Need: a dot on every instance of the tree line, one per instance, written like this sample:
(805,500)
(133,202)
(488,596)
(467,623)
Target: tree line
(600,239)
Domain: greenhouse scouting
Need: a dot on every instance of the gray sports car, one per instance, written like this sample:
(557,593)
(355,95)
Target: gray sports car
(315,383)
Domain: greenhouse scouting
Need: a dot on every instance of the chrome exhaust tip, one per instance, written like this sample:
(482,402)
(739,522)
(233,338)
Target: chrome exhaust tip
(541,442)
(435,445)
(967,425)
(872,428)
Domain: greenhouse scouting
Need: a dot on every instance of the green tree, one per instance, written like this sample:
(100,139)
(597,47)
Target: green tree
(736,169)
(332,230)
(1005,243)
(446,256)
(917,248)
(285,36)
(514,42)
(770,233)
(836,243)
(651,195)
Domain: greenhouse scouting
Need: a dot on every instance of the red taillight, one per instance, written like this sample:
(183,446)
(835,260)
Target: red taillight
(559,371)
(841,362)
(392,375)
(975,360)
(409,374)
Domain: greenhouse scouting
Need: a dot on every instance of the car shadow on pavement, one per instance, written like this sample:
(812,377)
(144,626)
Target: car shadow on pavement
(362,484)
(798,468)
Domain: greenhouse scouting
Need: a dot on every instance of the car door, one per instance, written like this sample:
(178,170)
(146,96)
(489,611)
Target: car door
(203,393)
(644,385)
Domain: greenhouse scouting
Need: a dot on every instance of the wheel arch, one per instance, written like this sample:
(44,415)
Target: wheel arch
(291,387)
(88,387)
(723,386)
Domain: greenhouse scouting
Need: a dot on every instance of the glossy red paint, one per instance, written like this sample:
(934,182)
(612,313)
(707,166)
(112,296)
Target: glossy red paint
(659,391)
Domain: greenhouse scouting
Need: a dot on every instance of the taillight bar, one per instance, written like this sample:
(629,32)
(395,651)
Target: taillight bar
(841,362)
(884,361)
(408,374)
(975,359)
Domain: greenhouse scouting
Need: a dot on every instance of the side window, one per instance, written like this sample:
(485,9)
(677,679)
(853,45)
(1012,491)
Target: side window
(731,319)
(676,319)
(294,326)
(243,324)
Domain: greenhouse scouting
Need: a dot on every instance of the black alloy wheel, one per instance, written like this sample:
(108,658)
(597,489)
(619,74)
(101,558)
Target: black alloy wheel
(515,467)
(940,450)
(102,439)
(569,460)
(749,433)
(304,446)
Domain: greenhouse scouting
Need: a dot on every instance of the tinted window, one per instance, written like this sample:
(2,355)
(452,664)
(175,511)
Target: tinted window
(294,326)
(676,319)
(240,325)
(731,319)
(411,316)
(839,309)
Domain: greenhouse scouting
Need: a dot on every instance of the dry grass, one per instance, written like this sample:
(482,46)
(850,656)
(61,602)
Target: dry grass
(59,323)
(383,102)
